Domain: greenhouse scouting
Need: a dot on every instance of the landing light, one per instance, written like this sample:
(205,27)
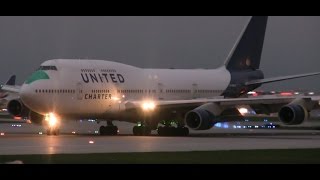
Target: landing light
(243,111)
(52,119)
(115,98)
(2,134)
(286,94)
(311,93)
(251,93)
(148,106)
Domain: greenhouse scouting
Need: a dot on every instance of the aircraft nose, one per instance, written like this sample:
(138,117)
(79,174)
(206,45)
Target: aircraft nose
(32,99)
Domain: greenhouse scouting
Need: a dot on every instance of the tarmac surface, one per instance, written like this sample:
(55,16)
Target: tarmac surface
(222,139)
(25,139)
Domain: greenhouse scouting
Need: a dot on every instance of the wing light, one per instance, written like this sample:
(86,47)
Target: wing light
(243,111)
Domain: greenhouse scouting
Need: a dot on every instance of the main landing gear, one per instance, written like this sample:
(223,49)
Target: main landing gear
(141,130)
(170,130)
(110,129)
(173,131)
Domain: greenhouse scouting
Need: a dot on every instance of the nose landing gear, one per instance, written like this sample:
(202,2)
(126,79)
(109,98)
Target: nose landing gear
(52,121)
(53,131)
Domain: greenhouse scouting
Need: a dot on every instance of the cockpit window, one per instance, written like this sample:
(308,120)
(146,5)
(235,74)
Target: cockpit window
(48,68)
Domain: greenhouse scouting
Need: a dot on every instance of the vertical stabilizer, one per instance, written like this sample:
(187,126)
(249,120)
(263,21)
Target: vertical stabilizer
(246,53)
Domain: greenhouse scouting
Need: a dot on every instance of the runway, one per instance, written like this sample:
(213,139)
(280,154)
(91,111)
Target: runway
(13,144)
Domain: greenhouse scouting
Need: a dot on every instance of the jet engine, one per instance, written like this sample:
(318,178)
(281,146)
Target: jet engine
(17,108)
(293,114)
(203,117)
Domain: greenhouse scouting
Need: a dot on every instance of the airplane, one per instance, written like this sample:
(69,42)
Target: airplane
(178,99)
(6,96)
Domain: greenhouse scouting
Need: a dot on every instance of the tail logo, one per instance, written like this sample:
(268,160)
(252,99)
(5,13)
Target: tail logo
(245,63)
(248,62)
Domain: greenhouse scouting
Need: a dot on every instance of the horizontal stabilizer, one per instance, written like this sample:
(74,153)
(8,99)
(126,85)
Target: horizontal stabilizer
(269,80)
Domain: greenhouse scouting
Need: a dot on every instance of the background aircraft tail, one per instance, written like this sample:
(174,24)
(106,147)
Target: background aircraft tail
(11,81)
(246,53)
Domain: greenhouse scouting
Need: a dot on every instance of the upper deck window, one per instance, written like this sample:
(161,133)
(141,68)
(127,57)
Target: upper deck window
(48,68)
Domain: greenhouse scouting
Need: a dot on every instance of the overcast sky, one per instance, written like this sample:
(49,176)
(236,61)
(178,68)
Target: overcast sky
(292,44)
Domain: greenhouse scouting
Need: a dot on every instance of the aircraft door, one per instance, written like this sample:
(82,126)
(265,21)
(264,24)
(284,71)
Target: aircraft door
(160,91)
(79,91)
(194,91)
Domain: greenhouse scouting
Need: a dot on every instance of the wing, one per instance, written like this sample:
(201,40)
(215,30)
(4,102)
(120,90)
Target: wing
(221,109)
(7,93)
(225,103)
(10,88)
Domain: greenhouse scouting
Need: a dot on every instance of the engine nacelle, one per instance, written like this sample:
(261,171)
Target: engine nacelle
(293,114)
(203,117)
(17,108)
(199,119)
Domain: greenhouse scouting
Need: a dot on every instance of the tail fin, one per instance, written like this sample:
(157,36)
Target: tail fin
(246,53)
(11,81)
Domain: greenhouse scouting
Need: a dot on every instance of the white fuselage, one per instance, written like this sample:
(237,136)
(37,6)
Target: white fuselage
(95,87)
